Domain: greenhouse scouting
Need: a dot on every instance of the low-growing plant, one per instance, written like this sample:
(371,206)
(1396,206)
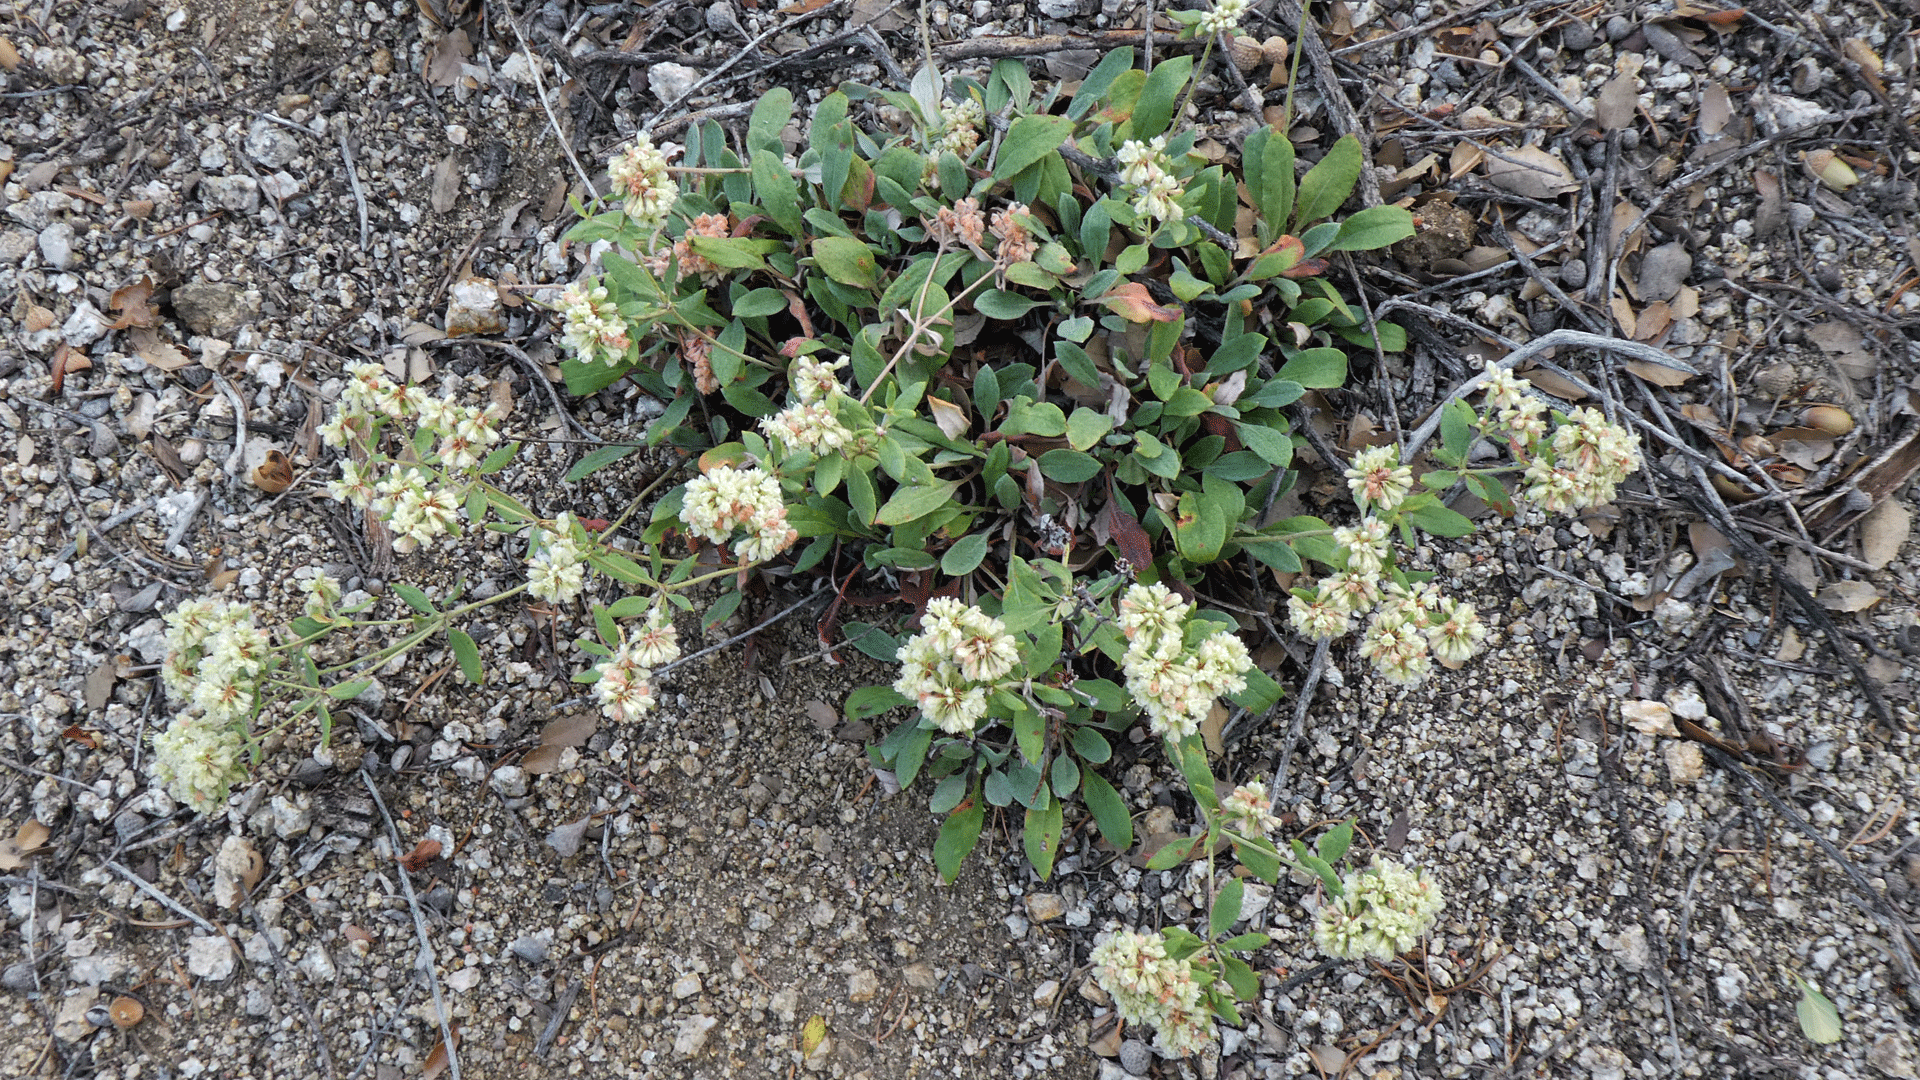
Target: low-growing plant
(1020,360)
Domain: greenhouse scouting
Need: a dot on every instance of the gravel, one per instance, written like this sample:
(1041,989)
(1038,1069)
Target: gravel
(725,873)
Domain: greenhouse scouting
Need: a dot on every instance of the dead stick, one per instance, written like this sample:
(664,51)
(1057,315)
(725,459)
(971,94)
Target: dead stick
(425,960)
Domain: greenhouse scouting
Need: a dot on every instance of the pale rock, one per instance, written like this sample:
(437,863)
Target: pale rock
(1603,1063)
(237,194)
(785,1005)
(686,986)
(510,781)
(14,246)
(1685,764)
(209,958)
(271,145)
(71,1023)
(1649,718)
(236,864)
(473,307)
(289,818)
(1663,271)
(318,964)
(691,1036)
(1892,1054)
(215,308)
(85,326)
(1045,907)
(56,245)
(862,986)
(670,82)
(464,980)
(1686,705)
(920,975)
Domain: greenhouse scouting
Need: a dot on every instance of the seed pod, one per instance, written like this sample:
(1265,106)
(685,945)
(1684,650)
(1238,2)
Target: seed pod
(1245,53)
(1775,380)
(275,474)
(1831,419)
(1274,50)
(126,1012)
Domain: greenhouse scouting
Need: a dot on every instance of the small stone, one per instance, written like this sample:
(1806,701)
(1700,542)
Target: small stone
(1663,271)
(1573,273)
(271,145)
(18,978)
(1577,36)
(438,899)
(686,986)
(309,773)
(862,985)
(1045,907)
(920,975)
(473,307)
(71,1023)
(1619,28)
(691,1037)
(210,958)
(237,194)
(530,948)
(510,781)
(14,246)
(215,308)
(56,245)
(1135,1057)
(464,980)
(289,818)
(1684,762)
(671,82)
(1892,1054)
(1046,993)
(318,964)
(1059,9)
(235,868)
(84,327)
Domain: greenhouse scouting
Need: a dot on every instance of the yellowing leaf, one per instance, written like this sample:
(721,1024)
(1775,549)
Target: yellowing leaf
(1819,1020)
(812,1034)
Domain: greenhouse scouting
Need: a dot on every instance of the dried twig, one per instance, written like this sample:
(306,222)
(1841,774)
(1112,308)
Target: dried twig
(1303,703)
(989,48)
(562,1005)
(745,51)
(425,959)
(540,89)
(162,898)
(293,989)
(538,377)
(353,182)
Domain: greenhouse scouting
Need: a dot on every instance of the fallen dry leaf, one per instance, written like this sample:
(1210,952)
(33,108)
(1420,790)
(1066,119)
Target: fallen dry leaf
(1532,172)
(26,843)
(1844,343)
(131,303)
(1716,109)
(438,1061)
(446,184)
(558,735)
(1849,596)
(1791,646)
(444,60)
(9,56)
(1616,104)
(275,474)
(423,853)
(1883,532)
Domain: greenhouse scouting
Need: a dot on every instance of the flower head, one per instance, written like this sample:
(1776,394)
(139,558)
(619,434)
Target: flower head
(594,328)
(948,667)
(727,499)
(1458,633)
(1249,809)
(1224,17)
(198,761)
(640,178)
(1377,479)
(1381,912)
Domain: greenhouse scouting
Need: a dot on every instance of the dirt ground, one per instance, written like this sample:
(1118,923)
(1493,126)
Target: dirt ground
(304,185)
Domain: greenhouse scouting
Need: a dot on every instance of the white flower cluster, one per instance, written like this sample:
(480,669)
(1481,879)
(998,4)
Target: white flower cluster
(1377,479)
(727,499)
(1175,687)
(1581,465)
(1224,17)
(416,511)
(215,658)
(593,327)
(640,178)
(1145,167)
(960,127)
(811,423)
(951,664)
(1148,987)
(625,687)
(1412,623)
(1382,913)
(557,572)
(1248,809)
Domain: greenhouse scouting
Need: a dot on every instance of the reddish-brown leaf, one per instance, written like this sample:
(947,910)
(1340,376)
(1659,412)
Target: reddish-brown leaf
(423,853)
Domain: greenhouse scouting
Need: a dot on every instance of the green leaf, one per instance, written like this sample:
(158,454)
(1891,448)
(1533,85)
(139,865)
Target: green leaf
(1078,365)
(1334,842)
(1437,519)
(618,567)
(1328,183)
(760,302)
(732,253)
(847,261)
(594,461)
(1001,304)
(1819,1020)
(1239,974)
(965,555)
(1374,227)
(467,654)
(498,459)
(1456,430)
(1176,852)
(871,701)
(1091,745)
(1093,89)
(1155,108)
(1108,809)
(958,836)
(778,195)
(413,598)
(770,116)
(347,691)
(1186,401)
(1030,732)
(1246,942)
(1042,836)
(1270,176)
(911,502)
(1226,907)
(1274,447)
(1319,369)
(1029,139)
(1069,466)
(1064,776)
(1086,427)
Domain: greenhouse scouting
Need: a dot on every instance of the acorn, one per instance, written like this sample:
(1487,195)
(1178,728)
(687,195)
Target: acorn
(1829,169)
(1776,379)
(1245,52)
(1274,50)
(1831,419)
